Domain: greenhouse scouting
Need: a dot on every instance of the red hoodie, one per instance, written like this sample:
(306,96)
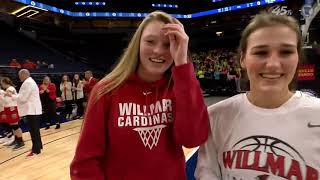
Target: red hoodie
(88,86)
(137,131)
(52,91)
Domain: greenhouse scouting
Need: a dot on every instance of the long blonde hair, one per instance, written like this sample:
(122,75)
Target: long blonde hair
(129,60)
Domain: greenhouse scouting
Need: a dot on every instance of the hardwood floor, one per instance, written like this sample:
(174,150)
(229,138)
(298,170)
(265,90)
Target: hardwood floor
(53,162)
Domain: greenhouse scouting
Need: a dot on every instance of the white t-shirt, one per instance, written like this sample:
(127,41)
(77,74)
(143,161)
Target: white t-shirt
(247,142)
(10,101)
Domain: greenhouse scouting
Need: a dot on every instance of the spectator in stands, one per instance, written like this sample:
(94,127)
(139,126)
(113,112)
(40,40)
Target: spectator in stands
(217,62)
(271,131)
(29,65)
(11,113)
(42,65)
(238,79)
(15,64)
(200,74)
(217,73)
(66,95)
(89,84)
(78,96)
(232,76)
(38,64)
(51,66)
(48,100)
(153,79)
(29,106)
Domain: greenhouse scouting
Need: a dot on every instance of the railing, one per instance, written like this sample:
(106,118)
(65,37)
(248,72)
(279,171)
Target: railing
(5,66)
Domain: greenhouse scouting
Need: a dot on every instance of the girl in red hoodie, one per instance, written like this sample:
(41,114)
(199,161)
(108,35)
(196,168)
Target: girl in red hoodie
(141,114)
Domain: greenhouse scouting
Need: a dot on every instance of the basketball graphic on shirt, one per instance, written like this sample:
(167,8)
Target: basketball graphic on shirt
(268,144)
(267,158)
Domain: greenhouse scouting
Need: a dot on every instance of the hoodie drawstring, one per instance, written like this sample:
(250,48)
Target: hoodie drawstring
(146,102)
(146,93)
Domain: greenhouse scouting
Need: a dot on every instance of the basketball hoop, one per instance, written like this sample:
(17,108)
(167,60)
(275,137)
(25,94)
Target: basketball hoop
(150,135)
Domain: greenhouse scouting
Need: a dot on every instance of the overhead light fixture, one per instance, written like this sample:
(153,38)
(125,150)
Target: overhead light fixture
(219,33)
(25,7)
(129,14)
(20,9)
(28,11)
(214,1)
(89,3)
(165,5)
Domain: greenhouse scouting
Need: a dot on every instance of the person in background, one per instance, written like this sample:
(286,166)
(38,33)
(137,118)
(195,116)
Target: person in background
(6,134)
(28,64)
(78,96)
(11,113)
(231,78)
(48,100)
(89,84)
(238,79)
(66,95)
(15,64)
(29,107)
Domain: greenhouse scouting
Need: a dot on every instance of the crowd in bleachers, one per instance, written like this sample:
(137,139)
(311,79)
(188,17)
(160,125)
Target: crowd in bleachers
(30,64)
(218,70)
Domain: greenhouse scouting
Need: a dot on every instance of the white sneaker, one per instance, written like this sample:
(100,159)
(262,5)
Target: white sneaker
(3,140)
(10,141)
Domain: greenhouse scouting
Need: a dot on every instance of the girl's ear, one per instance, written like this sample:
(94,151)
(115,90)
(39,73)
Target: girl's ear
(242,59)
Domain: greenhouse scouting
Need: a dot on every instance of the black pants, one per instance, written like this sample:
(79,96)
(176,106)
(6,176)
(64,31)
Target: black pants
(50,113)
(33,123)
(80,108)
(4,129)
(68,105)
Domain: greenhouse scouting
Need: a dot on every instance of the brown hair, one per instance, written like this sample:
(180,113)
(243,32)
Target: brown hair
(68,78)
(7,80)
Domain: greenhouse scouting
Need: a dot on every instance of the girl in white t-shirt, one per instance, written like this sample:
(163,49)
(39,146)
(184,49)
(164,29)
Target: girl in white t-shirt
(270,132)
(6,135)
(10,114)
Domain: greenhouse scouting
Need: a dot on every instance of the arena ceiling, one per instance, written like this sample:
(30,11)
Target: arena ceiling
(66,11)
(195,14)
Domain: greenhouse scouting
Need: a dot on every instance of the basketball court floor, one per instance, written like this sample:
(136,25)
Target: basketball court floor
(58,150)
